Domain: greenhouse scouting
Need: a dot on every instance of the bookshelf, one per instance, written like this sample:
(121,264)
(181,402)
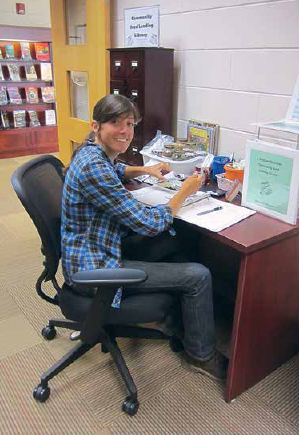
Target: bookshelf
(28,115)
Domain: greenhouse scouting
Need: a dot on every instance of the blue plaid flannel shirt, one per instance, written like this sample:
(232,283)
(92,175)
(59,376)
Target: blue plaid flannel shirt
(97,211)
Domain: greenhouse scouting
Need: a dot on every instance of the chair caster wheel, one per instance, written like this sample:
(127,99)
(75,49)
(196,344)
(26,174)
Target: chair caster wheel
(41,394)
(175,344)
(130,406)
(104,348)
(49,332)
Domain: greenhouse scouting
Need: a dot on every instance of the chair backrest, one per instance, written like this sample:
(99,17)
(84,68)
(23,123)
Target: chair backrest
(38,184)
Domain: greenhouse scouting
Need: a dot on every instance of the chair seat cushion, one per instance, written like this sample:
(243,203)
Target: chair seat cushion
(138,308)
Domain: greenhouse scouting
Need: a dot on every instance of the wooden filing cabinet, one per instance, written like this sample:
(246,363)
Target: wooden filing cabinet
(145,75)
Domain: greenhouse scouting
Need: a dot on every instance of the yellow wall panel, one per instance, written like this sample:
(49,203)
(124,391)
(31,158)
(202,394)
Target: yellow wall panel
(92,58)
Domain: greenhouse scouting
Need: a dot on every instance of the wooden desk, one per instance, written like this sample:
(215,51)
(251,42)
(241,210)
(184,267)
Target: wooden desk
(259,258)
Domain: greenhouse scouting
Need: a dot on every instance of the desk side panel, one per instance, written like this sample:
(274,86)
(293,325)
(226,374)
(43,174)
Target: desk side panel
(266,318)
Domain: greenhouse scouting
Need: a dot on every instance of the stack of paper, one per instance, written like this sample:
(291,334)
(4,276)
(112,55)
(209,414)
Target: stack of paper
(216,220)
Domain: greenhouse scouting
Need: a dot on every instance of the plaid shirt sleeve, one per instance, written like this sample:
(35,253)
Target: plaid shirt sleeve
(100,185)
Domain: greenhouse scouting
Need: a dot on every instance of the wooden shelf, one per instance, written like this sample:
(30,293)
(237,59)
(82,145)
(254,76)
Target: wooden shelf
(26,140)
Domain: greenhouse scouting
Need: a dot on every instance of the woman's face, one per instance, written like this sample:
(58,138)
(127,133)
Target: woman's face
(117,134)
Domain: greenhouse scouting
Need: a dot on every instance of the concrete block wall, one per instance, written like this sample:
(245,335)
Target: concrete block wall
(236,62)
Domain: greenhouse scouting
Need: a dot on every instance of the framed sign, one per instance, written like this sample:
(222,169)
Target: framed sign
(142,27)
(271,180)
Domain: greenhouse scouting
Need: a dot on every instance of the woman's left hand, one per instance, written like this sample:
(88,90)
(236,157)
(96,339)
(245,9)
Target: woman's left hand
(158,169)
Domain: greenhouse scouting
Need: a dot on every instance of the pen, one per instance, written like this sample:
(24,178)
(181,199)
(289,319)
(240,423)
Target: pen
(209,211)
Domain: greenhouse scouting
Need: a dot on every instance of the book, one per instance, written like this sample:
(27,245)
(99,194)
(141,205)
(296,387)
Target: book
(50,117)
(205,134)
(31,95)
(25,50)
(19,117)
(200,135)
(48,94)
(1,74)
(1,55)
(34,122)
(4,119)
(14,95)
(42,51)
(14,72)
(3,96)
(46,71)
(9,51)
(30,72)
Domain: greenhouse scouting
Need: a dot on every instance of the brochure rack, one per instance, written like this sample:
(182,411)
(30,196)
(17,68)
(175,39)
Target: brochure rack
(22,71)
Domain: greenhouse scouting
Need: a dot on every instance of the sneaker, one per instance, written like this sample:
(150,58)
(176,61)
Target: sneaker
(215,367)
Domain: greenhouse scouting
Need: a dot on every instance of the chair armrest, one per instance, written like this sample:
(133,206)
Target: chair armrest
(109,277)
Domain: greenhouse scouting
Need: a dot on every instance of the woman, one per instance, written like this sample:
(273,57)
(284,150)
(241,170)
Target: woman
(98,212)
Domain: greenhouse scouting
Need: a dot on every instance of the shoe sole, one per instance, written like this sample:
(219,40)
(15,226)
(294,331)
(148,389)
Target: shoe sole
(194,369)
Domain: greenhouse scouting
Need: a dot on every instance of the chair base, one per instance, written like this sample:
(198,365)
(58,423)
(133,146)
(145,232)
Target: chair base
(130,405)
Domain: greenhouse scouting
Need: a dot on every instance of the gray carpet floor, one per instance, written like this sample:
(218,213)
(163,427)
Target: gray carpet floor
(86,398)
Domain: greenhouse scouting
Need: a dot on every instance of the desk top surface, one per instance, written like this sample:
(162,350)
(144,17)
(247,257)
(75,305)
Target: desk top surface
(249,235)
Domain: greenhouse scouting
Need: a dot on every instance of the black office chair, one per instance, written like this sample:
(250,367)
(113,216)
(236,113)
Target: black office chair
(38,184)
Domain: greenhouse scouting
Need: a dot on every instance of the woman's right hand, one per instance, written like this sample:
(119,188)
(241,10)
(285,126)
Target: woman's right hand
(189,187)
(191,184)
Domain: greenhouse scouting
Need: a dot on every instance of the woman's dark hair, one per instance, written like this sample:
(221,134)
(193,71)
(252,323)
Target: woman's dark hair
(113,106)
(109,107)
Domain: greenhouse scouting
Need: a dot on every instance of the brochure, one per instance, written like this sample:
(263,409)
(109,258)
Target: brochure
(46,72)
(25,50)
(30,72)
(48,94)
(34,122)
(13,72)
(4,119)
(31,95)
(42,51)
(10,52)
(19,117)
(3,96)
(14,95)
(50,117)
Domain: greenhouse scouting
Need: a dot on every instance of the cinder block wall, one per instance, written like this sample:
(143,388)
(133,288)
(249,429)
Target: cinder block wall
(236,62)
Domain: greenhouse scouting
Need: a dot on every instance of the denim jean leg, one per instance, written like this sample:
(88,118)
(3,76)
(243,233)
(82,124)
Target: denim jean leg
(198,315)
(193,284)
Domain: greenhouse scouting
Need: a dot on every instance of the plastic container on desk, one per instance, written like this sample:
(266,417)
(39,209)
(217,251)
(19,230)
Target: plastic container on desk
(218,165)
(186,167)
(233,174)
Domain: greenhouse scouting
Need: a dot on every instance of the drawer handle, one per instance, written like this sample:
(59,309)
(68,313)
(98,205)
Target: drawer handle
(117,64)
(116,91)
(135,150)
(134,64)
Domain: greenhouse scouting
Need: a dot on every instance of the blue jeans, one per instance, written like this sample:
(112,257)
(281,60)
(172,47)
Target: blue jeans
(192,283)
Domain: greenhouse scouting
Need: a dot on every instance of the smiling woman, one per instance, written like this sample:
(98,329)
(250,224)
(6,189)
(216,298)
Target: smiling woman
(99,216)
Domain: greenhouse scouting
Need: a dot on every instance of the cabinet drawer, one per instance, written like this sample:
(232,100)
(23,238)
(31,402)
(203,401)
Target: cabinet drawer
(118,87)
(135,65)
(135,91)
(117,65)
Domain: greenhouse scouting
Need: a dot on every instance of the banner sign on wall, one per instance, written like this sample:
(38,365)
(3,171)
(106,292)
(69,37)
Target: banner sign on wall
(142,27)
(271,180)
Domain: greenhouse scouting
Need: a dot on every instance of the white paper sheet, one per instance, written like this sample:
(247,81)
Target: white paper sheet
(215,221)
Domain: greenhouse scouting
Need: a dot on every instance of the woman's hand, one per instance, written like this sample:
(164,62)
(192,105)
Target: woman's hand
(158,169)
(191,184)
(189,187)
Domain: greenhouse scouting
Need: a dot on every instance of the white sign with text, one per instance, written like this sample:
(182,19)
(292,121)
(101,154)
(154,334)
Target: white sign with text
(142,27)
